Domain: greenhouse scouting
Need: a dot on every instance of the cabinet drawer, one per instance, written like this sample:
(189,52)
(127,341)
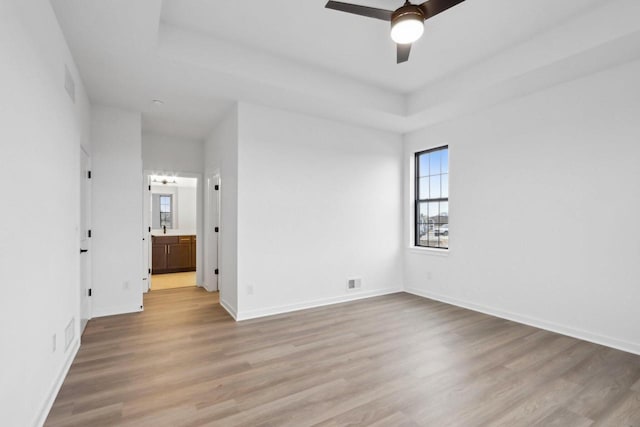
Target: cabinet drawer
(164,240)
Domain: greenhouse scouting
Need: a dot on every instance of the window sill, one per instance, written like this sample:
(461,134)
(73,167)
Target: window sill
(429,251)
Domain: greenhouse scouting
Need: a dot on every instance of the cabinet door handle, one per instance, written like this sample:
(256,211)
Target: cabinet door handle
(169,248)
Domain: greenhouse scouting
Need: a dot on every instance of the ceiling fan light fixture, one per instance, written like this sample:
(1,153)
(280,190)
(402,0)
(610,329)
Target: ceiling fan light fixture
(407,24)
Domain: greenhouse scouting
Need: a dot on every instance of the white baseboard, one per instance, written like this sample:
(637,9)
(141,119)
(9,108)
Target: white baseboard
(46,408)
(229,309)
(618,344)
(115,310)
(207,288)
(270,311)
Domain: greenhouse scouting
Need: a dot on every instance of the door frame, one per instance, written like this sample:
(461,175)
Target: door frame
(85,270)
(212,239)
(146,234)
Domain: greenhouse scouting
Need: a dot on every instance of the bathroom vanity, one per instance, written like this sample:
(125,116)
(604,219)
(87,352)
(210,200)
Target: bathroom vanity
(172,254)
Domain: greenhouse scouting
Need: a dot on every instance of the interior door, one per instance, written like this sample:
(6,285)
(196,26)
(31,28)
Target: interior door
(85,240)
(212,228)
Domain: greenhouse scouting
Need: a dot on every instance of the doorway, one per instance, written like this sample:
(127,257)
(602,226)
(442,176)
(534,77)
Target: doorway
(172,218)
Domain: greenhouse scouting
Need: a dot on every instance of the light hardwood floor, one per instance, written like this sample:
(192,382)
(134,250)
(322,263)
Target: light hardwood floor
(173,280)
(397,360)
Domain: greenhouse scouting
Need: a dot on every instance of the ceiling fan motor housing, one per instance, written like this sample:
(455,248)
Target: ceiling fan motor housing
(408,11)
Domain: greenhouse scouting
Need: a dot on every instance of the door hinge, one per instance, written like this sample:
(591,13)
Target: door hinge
(149,271)
(149,188)
(216,187)
(88,174)
(149,229)
(89,291)
(216,229)
(215,271)
(88,233)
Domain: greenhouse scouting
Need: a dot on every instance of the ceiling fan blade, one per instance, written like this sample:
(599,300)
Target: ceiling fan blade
(434,7)
(403,52)
(370,12)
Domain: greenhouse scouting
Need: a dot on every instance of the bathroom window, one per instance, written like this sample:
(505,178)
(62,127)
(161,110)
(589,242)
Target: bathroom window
(432,198)
(166,215)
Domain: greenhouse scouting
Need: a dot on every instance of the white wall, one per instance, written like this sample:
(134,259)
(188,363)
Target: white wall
(171,154)
(187,208)
(544,208)
(184,200)
(221,157)
(116,211)
(319,202)
(40,137)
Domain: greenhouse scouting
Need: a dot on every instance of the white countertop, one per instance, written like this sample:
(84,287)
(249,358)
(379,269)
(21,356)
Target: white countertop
(173,233)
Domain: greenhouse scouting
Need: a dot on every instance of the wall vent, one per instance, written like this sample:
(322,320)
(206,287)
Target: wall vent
(69,84)
(69,334)
(354,284)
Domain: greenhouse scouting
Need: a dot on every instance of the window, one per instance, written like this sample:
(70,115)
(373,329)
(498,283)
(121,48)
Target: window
(432,198)
(166,217)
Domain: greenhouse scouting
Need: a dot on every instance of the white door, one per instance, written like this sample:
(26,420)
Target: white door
(212,230)
(85,239)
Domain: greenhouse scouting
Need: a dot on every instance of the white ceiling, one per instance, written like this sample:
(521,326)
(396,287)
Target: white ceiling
(201,56)
(361,47)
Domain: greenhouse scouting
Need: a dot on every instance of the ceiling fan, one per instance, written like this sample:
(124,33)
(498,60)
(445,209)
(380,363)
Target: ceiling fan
(407,21)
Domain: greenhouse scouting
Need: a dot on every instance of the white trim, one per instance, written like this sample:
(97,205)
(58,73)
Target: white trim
(429,251)
(200,200)
(115,310)
(229,309)
(618,344)
(204,286)
(46,408)
(263,312)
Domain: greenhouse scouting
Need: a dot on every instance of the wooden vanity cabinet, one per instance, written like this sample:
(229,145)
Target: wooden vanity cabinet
(172,254)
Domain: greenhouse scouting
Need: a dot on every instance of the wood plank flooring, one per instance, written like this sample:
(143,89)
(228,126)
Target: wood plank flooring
(173,280)
(397,360)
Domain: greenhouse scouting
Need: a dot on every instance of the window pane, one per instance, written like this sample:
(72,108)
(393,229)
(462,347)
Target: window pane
(423,165)
(423,214)
(433,239)
(434,162)
(444,235)
(434,211)
(423,190)
(442,231)
(444,212)
(444,183)
(444,160)
(423,236)
(434,187)
(432,215)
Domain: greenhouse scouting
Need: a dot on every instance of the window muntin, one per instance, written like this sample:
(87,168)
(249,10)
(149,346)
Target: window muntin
(432,198)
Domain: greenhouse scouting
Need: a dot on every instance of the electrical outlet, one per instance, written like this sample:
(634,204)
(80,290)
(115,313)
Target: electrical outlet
(249,289)
(353,284)
(125,284)
(54,343)
(429,277)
